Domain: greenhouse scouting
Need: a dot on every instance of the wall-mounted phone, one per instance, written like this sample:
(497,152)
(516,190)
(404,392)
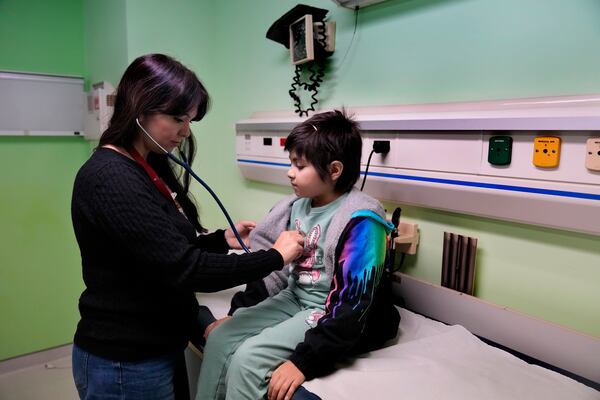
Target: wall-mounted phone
(303,35)
(301,40)
(310,39)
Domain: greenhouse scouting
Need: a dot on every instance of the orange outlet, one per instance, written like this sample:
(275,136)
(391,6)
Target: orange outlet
(546,151)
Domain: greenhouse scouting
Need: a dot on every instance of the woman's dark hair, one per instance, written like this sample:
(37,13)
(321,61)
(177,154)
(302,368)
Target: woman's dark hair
(153,84)
(326,137)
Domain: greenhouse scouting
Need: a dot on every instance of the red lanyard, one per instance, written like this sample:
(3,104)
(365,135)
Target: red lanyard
(156,180)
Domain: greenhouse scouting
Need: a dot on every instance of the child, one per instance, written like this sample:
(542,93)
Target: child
(329,303)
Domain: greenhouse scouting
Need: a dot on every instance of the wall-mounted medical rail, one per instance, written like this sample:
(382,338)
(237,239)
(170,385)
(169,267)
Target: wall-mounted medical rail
(439,157)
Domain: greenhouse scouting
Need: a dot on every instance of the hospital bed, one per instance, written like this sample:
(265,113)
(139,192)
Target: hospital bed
(430,359)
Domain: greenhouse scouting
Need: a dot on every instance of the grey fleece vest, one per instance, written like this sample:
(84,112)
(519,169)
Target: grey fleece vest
(278,219)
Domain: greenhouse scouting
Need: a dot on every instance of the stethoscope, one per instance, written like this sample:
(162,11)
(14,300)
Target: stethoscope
(183,163)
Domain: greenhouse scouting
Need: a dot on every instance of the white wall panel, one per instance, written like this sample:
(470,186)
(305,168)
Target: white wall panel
(430,150)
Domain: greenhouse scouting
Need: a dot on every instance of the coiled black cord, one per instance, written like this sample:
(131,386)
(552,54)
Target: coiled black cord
(316,70)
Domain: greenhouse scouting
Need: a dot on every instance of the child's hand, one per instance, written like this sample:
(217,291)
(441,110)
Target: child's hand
(284,381)
(213,325)
(244,228)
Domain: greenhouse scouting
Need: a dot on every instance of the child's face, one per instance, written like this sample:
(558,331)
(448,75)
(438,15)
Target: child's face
(305,179)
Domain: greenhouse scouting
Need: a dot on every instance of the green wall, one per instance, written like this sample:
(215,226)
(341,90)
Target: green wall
(427,51)
(40,278)
(40,272)
(41,36)
(404,51)
(105,39)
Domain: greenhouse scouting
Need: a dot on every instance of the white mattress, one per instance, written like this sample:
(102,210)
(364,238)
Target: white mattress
(431,360)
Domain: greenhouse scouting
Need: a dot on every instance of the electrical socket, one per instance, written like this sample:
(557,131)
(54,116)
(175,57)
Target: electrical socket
(381,146)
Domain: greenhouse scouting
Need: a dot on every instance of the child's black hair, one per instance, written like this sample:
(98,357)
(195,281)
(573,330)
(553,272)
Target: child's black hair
(326,137)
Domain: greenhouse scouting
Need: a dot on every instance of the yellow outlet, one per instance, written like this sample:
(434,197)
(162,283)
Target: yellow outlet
(546,151)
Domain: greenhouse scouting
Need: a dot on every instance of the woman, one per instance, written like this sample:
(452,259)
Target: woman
(143,254)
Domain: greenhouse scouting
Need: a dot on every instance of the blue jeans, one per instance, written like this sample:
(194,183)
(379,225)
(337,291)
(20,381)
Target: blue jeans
(99,378)
(303,394)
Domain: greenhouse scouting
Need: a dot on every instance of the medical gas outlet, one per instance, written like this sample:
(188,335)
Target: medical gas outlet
(592,157)
(546,151)
(500,150)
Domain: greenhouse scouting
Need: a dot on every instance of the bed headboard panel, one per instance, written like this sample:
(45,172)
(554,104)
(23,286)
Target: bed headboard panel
(564,348)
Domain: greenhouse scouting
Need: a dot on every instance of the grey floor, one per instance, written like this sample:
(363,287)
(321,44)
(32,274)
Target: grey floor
(51,380)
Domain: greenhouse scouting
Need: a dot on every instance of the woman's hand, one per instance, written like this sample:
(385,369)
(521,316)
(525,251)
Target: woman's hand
(290,245)
(244,228)
(284,381)
(213,325)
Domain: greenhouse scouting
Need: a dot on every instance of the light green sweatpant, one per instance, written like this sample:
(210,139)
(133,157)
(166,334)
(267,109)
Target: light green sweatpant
(241,353)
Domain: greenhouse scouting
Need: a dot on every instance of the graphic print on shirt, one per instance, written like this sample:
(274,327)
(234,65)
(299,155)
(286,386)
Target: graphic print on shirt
(304,268)
(314,317)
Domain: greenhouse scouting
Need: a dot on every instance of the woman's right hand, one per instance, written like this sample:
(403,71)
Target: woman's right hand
(290,245)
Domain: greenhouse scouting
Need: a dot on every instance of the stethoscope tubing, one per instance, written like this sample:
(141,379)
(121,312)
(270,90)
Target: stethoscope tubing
(186,166)
(189,169)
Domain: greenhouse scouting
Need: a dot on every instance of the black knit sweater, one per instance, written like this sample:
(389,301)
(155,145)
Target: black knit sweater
(142,262)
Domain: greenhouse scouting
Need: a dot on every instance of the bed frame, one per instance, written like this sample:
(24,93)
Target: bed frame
(572,353)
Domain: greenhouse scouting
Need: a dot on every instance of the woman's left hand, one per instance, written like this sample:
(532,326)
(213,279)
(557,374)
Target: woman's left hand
(244,228)
(284,381)
(213,325)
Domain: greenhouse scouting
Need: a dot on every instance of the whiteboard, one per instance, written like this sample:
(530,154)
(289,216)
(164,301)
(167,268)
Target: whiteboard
(40,105)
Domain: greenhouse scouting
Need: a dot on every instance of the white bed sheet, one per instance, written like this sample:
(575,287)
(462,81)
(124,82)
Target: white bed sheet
(431,360)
